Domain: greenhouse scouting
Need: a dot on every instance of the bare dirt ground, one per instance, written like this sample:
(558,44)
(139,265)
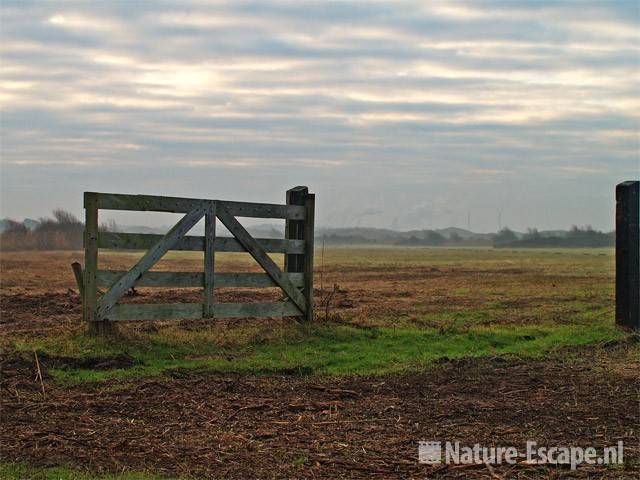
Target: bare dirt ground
(285,426)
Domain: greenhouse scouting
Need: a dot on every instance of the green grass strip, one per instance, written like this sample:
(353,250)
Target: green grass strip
(337,350)
(16,471)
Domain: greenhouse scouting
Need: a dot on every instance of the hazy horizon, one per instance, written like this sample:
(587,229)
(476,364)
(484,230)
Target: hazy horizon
(399,115)
(164,221)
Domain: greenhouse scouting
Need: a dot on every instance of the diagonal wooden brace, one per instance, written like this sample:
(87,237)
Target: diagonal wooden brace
(152,256)
(258,253)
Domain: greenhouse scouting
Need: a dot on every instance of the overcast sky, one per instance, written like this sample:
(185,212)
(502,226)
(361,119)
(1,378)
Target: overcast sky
(397,114)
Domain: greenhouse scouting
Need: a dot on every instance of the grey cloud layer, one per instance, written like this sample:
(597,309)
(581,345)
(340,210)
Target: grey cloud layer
(403,113)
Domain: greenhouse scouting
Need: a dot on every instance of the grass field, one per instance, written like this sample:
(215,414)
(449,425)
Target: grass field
(383,314)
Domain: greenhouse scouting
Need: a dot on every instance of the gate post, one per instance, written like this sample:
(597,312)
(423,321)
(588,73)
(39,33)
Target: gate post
(96,326)
(209,260)
(309,208)
(628,254)
(302,230)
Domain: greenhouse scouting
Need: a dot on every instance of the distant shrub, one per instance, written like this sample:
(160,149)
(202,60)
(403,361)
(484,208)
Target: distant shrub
(504,237)
(62,232)
(577,237)
(16,236)
(18,228)
(430,238)
(455,238)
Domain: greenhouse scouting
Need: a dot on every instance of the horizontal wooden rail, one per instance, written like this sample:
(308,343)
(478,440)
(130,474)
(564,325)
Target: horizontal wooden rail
(161,311)
(106,278)
(154,203)
(262,210)
(143,241)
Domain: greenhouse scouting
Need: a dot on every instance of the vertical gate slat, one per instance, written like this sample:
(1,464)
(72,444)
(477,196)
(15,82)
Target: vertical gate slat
(209,260)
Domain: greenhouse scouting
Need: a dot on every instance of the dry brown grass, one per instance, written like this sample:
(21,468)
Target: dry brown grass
(375,286)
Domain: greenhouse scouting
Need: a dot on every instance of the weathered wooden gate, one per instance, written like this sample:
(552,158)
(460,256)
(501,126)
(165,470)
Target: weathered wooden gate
(296,281)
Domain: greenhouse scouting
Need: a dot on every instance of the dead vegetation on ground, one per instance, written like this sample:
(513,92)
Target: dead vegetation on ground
(238,426)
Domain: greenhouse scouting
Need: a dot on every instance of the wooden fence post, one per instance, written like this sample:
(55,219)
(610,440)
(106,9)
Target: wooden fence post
(302,230)
(628,254)
(309,233)
(97,326)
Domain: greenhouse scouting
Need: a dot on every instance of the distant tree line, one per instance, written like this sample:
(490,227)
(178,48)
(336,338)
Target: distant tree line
(62,232)
(431,238)
(575,237)
(335,239)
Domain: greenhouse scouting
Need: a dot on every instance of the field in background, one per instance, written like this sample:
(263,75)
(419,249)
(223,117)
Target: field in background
(378,310)
(387,359)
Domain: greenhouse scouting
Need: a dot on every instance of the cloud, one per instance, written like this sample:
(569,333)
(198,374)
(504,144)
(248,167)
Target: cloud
(370,97)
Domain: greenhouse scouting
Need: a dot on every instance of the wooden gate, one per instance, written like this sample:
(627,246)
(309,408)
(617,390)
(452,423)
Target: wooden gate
(296,281)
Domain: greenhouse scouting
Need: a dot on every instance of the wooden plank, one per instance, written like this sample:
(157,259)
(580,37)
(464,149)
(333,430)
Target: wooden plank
(155,311)
(90,299)
(269,309)
(90,257)
(261,257)
(294,229)
(628,254)
(149,260)
(106,278)
(253,280)
(209,260)
(144,241)
(271,245)
(310,202)
(262,210)
(155,203)
(160,311)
